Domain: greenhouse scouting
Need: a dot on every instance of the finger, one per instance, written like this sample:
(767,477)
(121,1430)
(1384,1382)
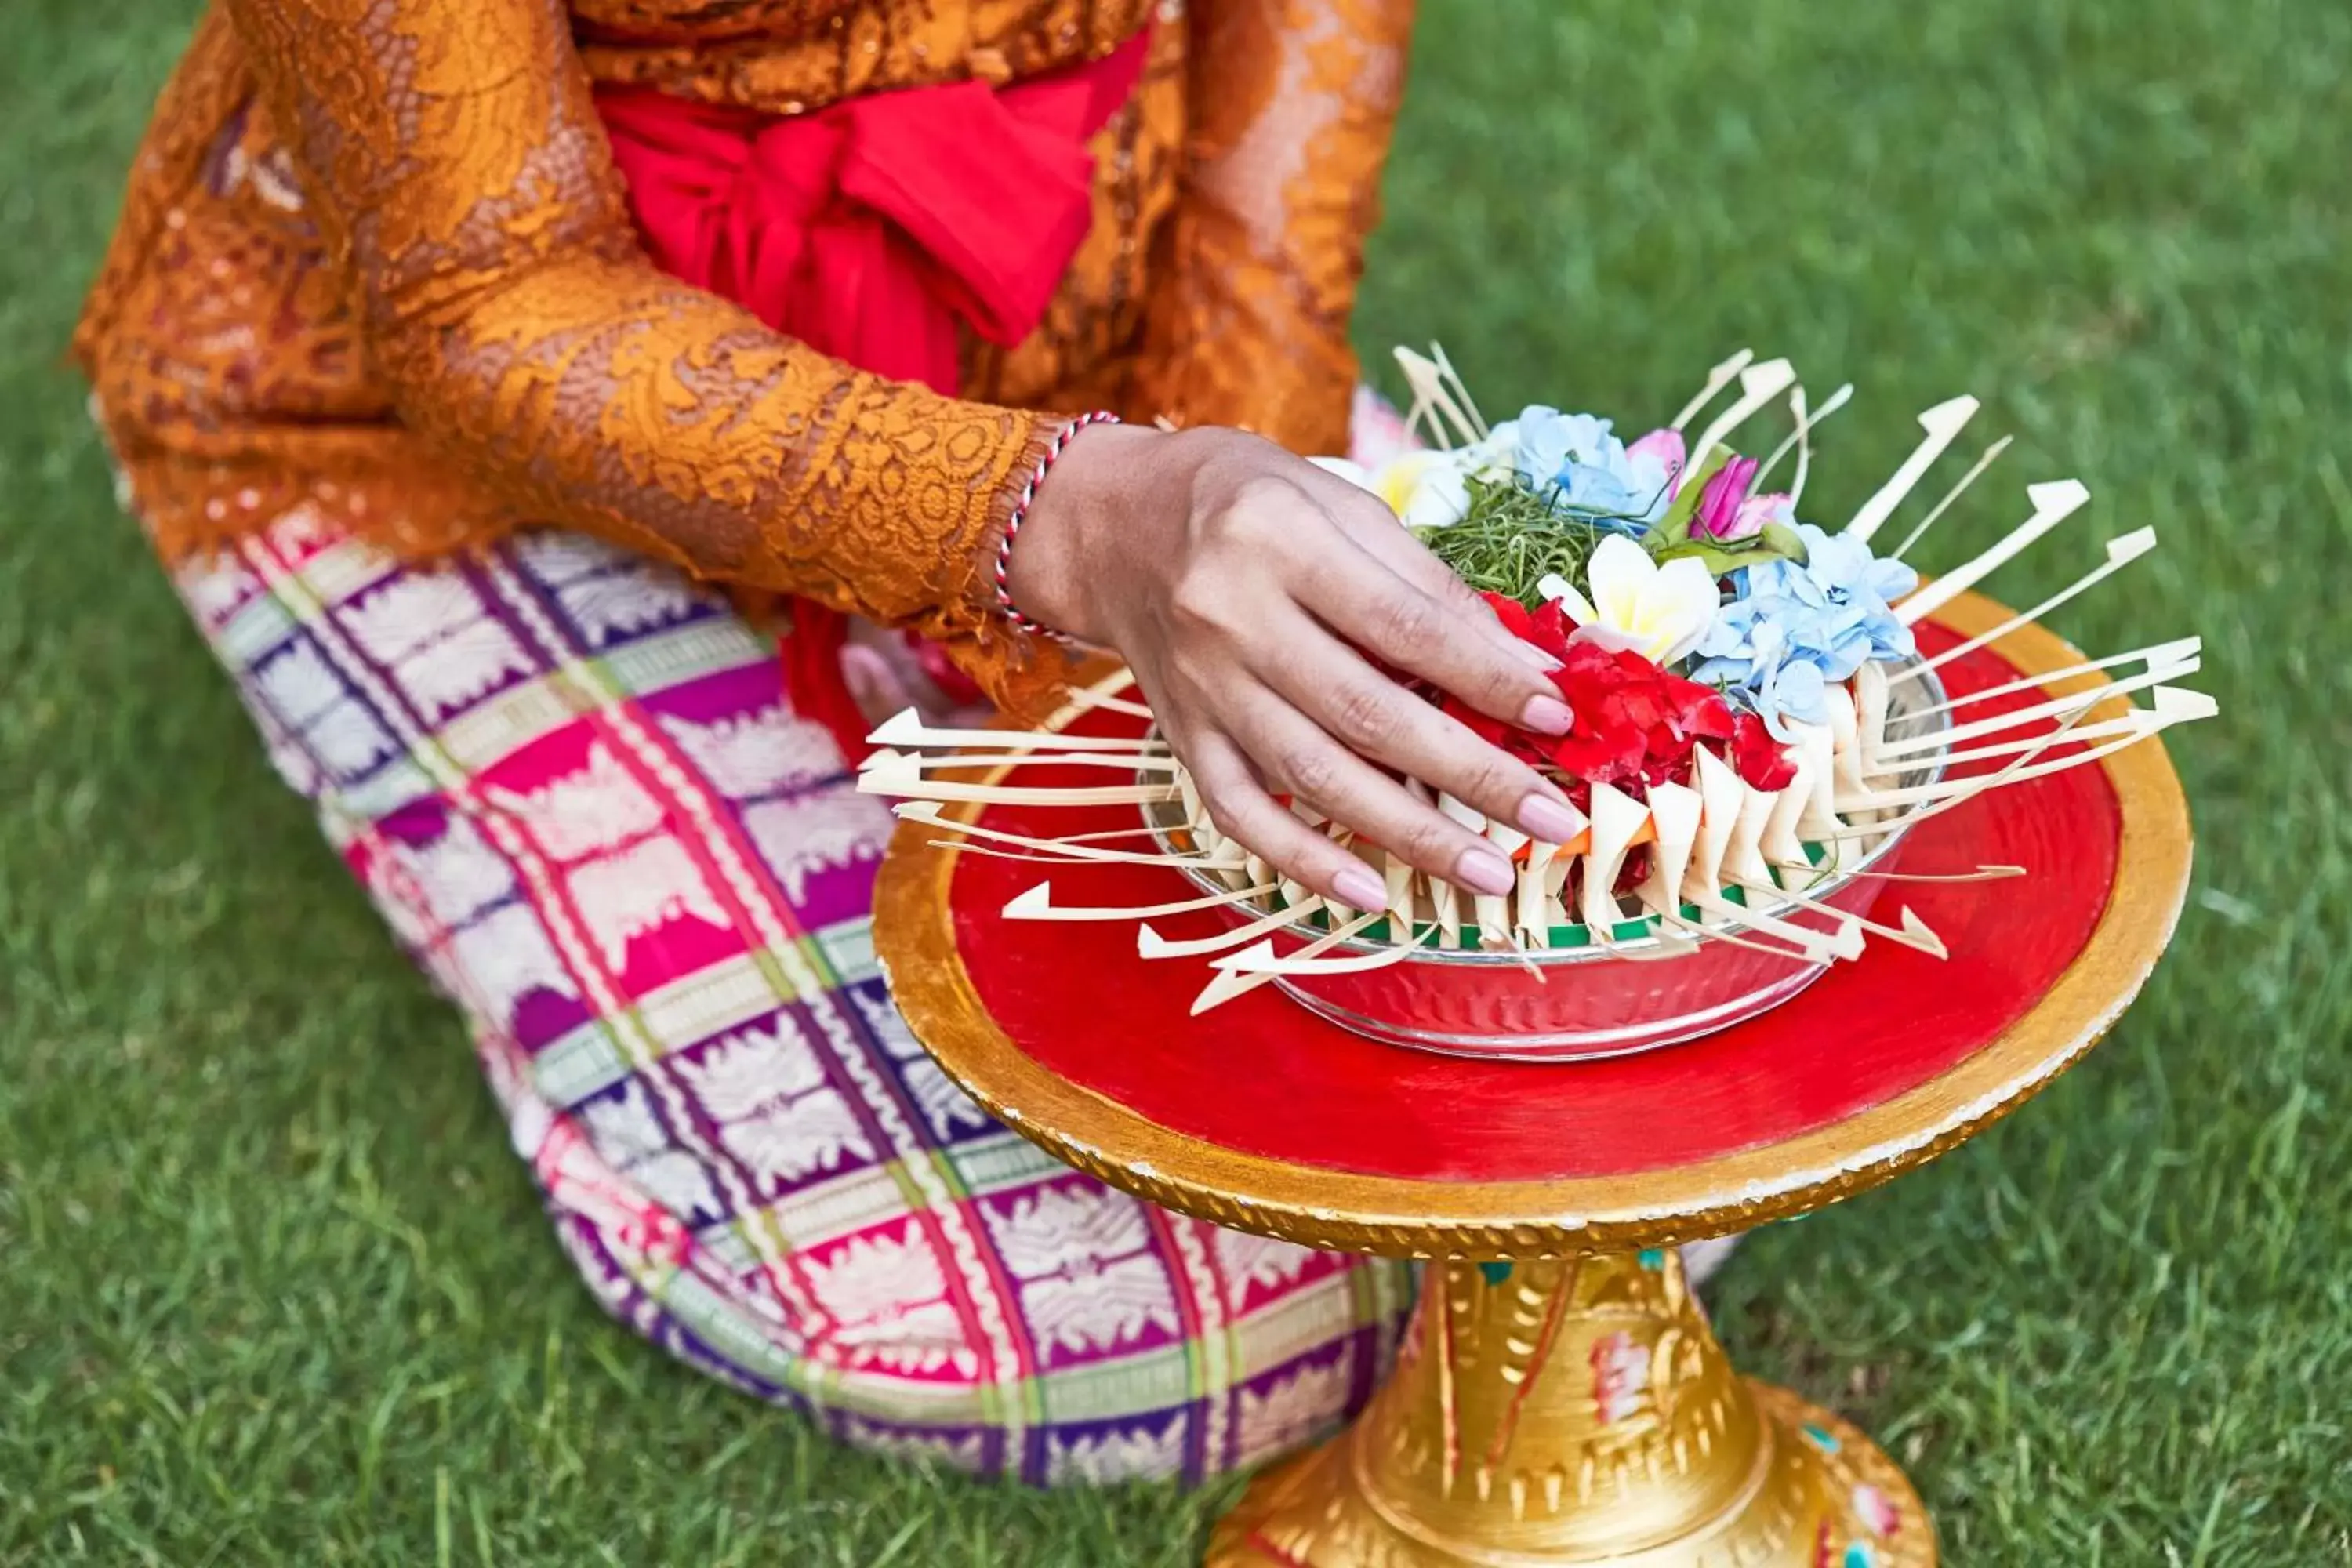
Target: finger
(1369,522)
(1412,562)
(1242,810)
(1316,769)
(1360,598)
(1374,717)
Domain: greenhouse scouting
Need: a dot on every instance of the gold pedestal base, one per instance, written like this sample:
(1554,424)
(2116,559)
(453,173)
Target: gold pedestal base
(1582,1412)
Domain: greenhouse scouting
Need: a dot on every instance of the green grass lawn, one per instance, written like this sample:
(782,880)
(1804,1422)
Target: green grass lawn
(273,1289)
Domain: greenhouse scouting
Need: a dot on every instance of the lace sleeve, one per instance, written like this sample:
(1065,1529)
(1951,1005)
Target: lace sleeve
(453,158)
(1292,103)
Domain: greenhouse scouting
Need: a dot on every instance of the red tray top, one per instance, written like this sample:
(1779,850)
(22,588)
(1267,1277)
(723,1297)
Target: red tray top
(1263,1076)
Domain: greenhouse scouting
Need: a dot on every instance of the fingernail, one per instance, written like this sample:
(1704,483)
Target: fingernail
(1552,821)
(1484,871)
(1545,716)
(1359,889)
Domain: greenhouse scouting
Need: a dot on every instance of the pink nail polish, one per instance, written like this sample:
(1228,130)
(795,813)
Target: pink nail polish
(1359,889)
(1552,821)
(1485,871)
(1545,716)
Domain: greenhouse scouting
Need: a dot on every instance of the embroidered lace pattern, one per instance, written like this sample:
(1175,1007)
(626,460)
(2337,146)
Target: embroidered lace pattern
(375,259)
(1291,106)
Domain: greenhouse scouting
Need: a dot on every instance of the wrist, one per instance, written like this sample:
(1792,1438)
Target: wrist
(1052,546)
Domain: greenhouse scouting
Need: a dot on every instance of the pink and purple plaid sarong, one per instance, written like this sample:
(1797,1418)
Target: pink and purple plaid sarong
(570,780)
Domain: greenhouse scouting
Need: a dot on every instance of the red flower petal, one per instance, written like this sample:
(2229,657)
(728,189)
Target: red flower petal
(1512,614)
(1708,717)
(1549,628)
(1756,757)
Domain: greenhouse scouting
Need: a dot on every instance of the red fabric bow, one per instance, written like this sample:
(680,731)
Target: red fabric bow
(869,230)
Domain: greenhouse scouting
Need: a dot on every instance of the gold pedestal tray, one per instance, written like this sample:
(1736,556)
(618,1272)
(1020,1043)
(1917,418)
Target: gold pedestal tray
(1577,1412)
(1570,1405)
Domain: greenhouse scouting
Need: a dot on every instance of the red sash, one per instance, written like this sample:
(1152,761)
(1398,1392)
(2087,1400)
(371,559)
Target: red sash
(872,230)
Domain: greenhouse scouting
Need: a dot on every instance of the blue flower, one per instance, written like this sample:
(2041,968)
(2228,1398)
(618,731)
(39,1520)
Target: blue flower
(1798,628)
(1577,458)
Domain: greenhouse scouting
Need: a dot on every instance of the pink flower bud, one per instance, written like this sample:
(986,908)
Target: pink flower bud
(1721,517)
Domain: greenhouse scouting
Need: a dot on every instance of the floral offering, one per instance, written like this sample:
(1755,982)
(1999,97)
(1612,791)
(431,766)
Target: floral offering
(1677,597)
(1753,729)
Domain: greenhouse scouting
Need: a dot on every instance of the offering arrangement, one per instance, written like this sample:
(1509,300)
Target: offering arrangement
(1755,731)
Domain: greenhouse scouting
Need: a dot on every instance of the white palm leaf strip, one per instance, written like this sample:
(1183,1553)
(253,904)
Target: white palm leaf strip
(1759,384)
(2173,706)
(1722,797)
(1982,874)
(1046,857)
(1616,818)
(1226,984)
(1717,380)
(1398,881)
(906,783)
(1080,696)
(1150,943)
(1676,809)
(1444,898)
(906,731)
(1263,960)
(1817,754)
(1976,471)
(1912,933)
(1800,438)
(1495,909)
(1103,694)
(1143,830)
(2127,723)
(1879,827)
(1533,912)
(2053,502)
(1891,752)
(2182,652)
(1037,904)
(1434,402)
(1779,840)
(929,813)
(2022,769)
(1744,855)
(1943,425)
(2121,551)
(1140,762)
(1452,383)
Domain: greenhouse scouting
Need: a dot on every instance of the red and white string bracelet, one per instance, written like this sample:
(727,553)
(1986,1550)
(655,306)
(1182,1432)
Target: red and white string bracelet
(1054,450)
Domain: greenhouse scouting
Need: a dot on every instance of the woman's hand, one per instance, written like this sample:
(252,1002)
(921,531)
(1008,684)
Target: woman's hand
(1238,581)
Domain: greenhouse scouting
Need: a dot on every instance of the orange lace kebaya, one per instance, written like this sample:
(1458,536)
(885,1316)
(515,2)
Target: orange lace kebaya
(375,261)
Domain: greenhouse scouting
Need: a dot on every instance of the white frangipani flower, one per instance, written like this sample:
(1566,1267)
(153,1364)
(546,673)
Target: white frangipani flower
(1427,489)
(1658,612)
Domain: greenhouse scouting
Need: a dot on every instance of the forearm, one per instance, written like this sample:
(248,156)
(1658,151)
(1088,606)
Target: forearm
(451,154)
(600,396)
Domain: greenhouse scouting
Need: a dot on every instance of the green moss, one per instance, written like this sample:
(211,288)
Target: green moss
(1512,539)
